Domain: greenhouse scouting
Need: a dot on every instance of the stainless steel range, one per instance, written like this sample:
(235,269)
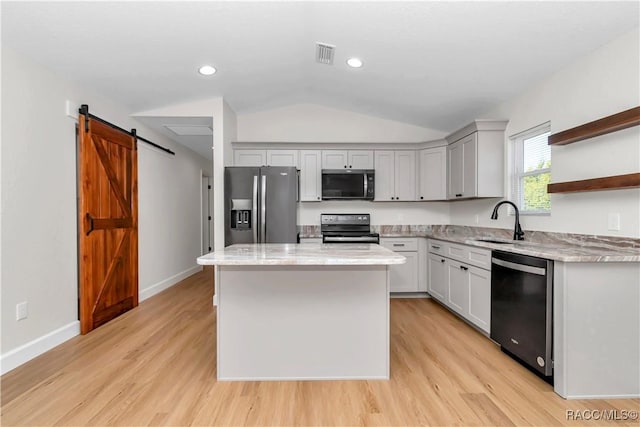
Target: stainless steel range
(347,228)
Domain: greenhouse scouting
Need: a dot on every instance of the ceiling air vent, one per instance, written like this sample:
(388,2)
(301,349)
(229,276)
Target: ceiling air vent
(324,53)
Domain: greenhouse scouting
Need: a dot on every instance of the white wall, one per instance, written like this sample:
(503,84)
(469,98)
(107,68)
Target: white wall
(314,123)
(602,83)
(382,213)
(39,249)
(307,123)
(224,131)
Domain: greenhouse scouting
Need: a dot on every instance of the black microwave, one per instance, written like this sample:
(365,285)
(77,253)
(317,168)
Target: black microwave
(348,184)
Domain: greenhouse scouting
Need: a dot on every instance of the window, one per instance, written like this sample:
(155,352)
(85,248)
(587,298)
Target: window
(532,170)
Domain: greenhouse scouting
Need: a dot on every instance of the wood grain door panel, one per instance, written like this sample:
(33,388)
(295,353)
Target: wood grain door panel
(108,229)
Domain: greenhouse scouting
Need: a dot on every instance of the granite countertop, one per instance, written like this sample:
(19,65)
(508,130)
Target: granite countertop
(555,251)
(305,254)
(564,247)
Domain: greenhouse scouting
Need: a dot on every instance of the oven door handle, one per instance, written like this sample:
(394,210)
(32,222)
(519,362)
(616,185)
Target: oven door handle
(519,267)
(339,239)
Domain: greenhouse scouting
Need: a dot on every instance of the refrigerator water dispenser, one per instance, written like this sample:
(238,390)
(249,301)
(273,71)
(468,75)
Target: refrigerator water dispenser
(241,214)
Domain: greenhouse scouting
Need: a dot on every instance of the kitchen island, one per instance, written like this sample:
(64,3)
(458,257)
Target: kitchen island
(302,312)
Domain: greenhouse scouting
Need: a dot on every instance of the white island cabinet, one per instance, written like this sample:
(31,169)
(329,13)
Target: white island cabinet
(302,312)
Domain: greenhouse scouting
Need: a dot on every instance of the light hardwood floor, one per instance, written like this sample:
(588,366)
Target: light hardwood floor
(155,365)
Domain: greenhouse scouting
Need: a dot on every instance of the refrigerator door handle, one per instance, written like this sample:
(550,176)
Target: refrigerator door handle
(263,210)
(254,210)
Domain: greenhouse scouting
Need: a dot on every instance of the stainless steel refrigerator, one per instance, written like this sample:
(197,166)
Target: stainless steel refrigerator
(260,205)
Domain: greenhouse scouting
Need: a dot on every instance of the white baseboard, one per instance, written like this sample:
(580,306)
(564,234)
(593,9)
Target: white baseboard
(20,355)
(167,283)
(16,357)
(602,396)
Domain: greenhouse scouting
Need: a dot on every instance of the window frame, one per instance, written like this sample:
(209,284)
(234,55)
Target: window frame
(517,165)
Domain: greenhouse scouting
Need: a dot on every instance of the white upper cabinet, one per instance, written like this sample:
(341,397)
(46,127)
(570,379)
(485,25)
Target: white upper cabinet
(310,176)
(250,158)
(282,158)
(385,175)
(334,159)
(342,159)
(475,160)
(405,175)
(360,159)
(462,168)
(395,175)
(432,174)
(254,157)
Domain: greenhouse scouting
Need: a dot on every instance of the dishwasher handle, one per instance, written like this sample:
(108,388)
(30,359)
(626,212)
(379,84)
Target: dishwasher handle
(519,267)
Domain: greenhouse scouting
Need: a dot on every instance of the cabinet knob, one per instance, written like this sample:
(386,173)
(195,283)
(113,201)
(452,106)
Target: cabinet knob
(345,166)
(442,260)
(421,198)
(463,268)
(350,167)
(318,197)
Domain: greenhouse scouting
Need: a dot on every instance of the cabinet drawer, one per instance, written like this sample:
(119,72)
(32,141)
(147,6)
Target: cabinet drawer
(437,247)
(479,257)
(400,244)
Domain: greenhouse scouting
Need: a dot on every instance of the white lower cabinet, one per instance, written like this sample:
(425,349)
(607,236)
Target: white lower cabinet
(461,286)
(458,296)
(407,277)
(437,277)
(480,297)
(404,277)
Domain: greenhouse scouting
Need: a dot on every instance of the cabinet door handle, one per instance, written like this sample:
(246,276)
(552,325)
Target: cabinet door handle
(463,268)
(459,195)
(435,247)
(398,244)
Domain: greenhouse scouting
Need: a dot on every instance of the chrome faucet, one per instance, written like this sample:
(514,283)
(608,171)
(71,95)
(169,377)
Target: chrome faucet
(518,234)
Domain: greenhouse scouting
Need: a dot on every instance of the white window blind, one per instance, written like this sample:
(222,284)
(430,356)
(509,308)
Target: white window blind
(532,170)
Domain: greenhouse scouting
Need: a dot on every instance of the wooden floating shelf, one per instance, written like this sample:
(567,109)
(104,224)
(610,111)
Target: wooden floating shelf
(631,180)
(598,127)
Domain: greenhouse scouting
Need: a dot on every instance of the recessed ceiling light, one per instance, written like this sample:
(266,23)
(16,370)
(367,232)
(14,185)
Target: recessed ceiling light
(354,62)
(207,70)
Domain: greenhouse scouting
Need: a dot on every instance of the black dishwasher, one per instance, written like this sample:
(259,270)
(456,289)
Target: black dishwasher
(521,309)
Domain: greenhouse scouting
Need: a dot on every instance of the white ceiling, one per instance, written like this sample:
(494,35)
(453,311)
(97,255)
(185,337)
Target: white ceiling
(433,64)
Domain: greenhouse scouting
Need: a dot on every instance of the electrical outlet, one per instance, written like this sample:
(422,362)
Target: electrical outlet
(614,222)
(22,310)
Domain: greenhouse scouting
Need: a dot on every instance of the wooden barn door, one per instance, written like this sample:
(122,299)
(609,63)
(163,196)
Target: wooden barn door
(108,223)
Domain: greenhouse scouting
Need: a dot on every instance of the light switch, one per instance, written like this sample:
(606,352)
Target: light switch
(71,109)
(614,222)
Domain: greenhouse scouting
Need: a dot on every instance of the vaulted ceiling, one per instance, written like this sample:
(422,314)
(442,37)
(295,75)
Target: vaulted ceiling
(433,64)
